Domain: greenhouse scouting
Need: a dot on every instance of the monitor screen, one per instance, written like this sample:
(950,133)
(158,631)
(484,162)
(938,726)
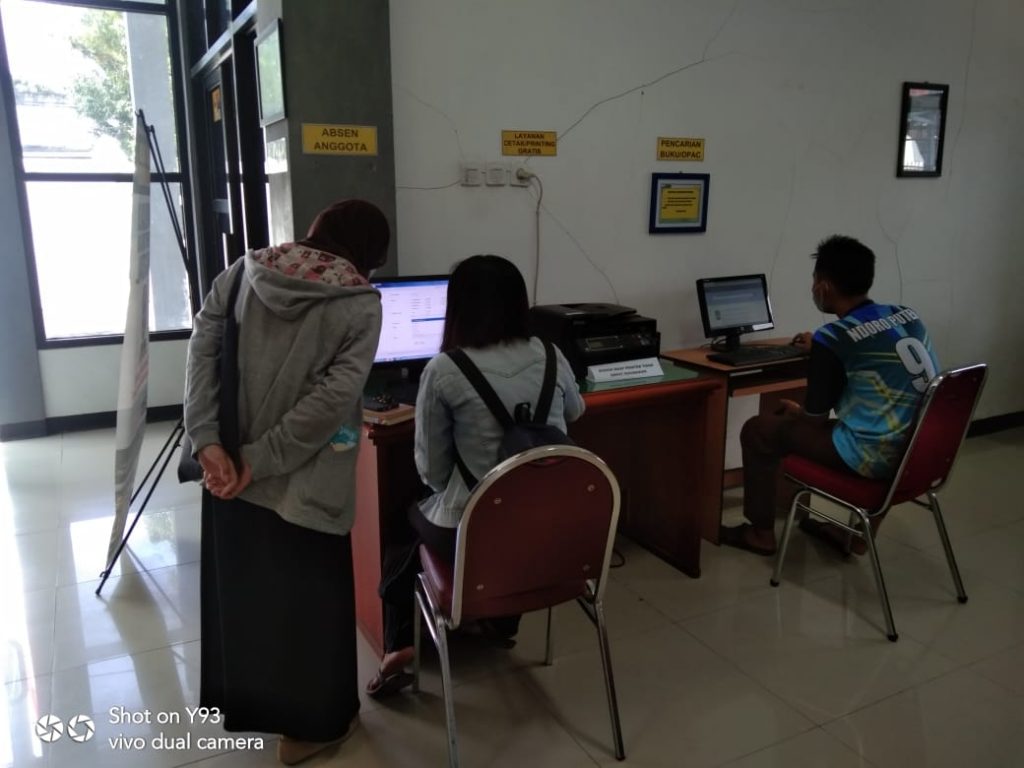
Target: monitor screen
(412,317)
(734,304)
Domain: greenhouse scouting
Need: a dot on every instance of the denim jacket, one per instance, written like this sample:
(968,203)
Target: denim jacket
(450,413)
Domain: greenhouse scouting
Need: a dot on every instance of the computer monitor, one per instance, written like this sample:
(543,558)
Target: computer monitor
(412,318)
(730,306)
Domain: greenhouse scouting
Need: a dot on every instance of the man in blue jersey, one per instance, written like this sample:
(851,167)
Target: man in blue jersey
(870,366)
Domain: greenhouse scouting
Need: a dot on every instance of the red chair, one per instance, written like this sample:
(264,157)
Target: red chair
(537,531)
(942,421)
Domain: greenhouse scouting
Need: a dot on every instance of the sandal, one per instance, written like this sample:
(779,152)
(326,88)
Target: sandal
(737,537)
(383,685)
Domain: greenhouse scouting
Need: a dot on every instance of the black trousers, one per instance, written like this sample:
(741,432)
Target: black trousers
(400,569)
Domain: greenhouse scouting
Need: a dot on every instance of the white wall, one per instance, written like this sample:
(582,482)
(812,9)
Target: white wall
(799,102)
(84,379)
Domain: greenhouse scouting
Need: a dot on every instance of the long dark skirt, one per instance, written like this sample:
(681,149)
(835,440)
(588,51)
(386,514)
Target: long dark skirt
(278,623)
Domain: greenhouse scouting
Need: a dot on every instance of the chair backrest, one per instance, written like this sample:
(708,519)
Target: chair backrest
(943,418)
(535,530)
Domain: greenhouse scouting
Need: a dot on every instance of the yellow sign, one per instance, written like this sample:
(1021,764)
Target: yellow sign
(321,139)
(670,148)
(529,143)
(680,204)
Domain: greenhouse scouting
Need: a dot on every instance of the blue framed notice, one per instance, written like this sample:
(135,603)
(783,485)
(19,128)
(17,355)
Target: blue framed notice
(679,203)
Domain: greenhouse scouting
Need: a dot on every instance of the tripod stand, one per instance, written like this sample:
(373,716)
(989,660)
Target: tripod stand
(163,458)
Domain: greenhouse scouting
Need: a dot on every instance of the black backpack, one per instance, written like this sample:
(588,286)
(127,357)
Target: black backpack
(524,430)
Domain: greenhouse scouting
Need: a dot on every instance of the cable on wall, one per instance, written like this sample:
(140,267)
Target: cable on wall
(440,186)
(582,250)
(702,60)
(526,174)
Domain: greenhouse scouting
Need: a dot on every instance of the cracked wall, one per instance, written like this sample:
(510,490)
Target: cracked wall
(799,103)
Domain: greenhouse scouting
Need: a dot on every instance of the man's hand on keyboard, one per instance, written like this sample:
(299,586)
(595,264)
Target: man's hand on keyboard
(803,340)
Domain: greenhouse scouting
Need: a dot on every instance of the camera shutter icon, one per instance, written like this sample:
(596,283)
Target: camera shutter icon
(49,728)
(81,728)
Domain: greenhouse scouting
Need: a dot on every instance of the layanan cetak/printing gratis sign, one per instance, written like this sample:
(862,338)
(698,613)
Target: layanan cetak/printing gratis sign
(529,143)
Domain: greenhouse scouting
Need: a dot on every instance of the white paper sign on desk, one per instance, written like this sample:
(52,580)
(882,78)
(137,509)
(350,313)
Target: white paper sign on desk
(628,369)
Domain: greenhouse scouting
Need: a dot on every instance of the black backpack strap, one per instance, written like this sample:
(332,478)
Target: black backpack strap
(467,477)
(547,389)
(230,431)
(236,284)
(487,394)
(485,390)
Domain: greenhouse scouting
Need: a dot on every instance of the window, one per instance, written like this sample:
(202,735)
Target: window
(78,75)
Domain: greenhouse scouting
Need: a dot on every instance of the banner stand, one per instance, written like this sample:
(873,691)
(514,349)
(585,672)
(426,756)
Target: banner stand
(173,442)
(169,448)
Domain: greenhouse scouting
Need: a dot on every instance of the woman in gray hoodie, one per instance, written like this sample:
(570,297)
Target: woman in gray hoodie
(278,611)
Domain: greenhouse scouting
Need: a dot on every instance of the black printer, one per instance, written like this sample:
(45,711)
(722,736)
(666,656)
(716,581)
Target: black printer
(592,334)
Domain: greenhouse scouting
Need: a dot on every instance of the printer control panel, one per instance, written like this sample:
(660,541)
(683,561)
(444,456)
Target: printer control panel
(618,341)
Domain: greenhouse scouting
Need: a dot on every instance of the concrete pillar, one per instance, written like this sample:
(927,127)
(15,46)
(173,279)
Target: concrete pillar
(337,70)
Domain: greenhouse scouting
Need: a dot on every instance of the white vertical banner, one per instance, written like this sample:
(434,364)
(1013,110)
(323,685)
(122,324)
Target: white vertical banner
(134,380)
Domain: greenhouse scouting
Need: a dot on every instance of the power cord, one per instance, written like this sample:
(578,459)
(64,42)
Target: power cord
(440,186)
(525,174)
(582,250)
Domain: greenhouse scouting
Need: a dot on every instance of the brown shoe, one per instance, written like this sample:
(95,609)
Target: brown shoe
(292,751)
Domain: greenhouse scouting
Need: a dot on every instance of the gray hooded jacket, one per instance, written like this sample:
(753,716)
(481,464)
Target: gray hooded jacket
(305,349)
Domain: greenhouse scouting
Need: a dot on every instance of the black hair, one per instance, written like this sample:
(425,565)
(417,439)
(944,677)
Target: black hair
(487,304)
(847,263)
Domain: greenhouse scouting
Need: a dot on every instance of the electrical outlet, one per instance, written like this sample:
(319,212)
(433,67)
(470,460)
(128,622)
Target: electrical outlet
(496,174)
(520,176)
(471,175)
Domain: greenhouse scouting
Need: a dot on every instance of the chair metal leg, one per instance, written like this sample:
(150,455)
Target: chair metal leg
(961,595)
(848,542)
(780,557)
(449,694)
(417,632)
(549,651)
(883,594)
(609,680)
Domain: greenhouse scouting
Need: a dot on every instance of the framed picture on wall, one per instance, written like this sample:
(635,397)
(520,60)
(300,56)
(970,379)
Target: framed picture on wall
(922,129)
(679,203)
(270,73)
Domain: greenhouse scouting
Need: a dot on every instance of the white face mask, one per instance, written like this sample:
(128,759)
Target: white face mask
(817,302)
(818,299)
(369,275)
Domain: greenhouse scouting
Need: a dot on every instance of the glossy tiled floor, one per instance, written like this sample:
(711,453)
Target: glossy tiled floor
(722,670)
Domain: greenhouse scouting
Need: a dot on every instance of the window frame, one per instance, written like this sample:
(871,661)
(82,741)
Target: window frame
(168,10)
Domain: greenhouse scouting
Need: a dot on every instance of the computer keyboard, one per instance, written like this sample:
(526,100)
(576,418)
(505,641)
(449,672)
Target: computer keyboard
(390,395)
(754,355)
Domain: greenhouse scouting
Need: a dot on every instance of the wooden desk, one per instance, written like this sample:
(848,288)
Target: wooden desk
(663,441)
(771,382)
